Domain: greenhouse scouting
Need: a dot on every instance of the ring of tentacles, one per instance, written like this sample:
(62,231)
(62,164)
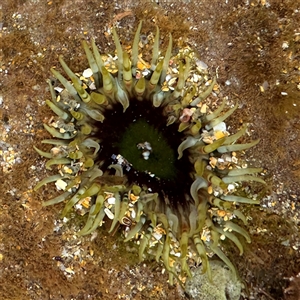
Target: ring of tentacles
(139,148)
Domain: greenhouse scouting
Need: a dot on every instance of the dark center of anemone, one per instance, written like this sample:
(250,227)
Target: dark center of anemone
(139,140)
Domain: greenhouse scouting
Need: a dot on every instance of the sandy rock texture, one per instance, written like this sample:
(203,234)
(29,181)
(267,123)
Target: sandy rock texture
(254,48)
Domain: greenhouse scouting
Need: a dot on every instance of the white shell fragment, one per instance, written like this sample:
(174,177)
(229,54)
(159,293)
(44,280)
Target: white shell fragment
(58,89)
(109,214)
(111,200)
(92,86)
(146,155)
(60,184)
(220,127)
(133,214)
(157,235)
(285,45)
(146,147)
(231,187)
(87,73)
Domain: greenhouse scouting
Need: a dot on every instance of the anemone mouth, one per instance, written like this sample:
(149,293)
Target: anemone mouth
(139,140)
(138,146)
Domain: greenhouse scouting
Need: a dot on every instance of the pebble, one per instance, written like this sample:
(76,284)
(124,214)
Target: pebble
(222,287)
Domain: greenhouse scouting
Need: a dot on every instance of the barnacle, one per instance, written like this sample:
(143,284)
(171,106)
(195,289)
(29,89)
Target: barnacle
(138,147)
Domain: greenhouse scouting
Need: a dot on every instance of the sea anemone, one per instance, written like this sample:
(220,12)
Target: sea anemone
(137,146)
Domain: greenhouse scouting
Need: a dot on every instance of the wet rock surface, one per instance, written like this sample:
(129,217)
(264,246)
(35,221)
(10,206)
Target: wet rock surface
(253,47)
